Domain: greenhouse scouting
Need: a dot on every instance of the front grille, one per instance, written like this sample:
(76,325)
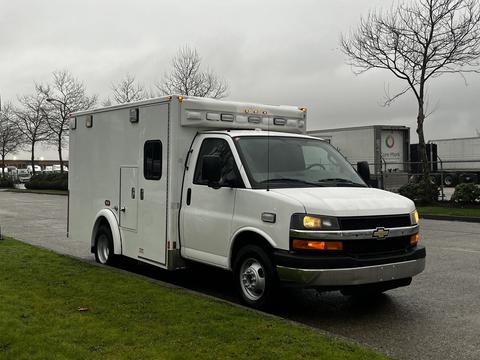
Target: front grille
(375,247)
(373,222)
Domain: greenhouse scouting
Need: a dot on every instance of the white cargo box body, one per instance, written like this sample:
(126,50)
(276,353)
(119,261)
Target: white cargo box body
(453,151)
(383,146)
(106,166)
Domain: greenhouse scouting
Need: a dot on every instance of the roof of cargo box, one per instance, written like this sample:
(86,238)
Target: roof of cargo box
(386,127)
(206,113)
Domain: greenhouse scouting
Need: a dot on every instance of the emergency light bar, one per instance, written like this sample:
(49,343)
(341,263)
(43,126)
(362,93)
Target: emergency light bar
(219,114)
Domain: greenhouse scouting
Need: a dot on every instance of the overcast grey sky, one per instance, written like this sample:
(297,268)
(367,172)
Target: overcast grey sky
(275,51)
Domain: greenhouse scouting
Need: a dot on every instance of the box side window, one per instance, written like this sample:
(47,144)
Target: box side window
(152,160)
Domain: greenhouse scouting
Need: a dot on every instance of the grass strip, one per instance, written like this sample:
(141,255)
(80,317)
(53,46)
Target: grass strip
(57,307)
(452,211)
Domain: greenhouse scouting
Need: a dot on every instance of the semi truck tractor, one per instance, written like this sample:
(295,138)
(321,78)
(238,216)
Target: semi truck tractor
(239,186)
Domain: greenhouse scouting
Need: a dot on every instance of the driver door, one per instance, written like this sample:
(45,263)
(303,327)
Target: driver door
(206,215)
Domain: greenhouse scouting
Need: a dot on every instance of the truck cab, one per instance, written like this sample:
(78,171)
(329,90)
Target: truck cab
(288,208)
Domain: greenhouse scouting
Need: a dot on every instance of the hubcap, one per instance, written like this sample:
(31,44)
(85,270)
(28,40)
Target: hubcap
(252,279)
(103,250)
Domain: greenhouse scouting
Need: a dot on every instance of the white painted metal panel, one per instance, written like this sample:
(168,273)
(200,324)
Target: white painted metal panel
(128,197)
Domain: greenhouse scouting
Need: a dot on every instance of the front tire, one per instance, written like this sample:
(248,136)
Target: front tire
(255,277)
(104,246)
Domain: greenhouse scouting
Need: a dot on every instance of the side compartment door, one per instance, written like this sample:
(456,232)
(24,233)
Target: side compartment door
(207,213)
(128,198)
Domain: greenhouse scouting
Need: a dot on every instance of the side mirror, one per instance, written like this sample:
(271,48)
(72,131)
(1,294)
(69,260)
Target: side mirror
(211,170)
(363,170)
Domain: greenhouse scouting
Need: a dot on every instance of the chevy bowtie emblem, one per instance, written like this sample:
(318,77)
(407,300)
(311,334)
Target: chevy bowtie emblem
(380,233)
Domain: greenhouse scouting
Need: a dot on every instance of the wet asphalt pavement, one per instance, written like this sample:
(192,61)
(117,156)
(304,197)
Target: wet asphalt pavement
(436,317)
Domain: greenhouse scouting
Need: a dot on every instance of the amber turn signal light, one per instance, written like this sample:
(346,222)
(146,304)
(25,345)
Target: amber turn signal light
(414,239)
(317,245)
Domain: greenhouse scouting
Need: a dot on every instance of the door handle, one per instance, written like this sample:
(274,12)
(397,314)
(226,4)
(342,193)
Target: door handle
(123,209)
(189,196)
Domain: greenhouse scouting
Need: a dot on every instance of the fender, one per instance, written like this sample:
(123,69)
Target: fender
(251,229)
(108,215)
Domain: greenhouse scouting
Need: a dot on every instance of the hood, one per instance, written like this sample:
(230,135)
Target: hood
(349,201)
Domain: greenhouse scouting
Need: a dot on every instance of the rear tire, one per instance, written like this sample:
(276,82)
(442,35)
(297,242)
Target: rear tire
(448,180)
(104,246)
(255,277)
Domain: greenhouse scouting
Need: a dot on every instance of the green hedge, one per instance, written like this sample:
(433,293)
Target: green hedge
(48,182)
(6,183)
(466,194)
(422,192)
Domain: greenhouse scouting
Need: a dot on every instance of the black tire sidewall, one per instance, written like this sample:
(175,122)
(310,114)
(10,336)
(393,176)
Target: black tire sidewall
(448,180)
(271,280)
(105,230)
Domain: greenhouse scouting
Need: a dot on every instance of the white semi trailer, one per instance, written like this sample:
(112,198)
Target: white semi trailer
(237,186)
(458,159)
(384,147)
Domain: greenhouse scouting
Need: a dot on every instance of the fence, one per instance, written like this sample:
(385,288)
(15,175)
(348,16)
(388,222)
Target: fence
(445,173)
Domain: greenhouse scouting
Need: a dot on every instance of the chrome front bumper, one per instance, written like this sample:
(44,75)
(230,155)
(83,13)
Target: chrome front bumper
(351,276)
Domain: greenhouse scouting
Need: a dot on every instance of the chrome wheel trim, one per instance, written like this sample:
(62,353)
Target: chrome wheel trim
(103,249)
(252,279)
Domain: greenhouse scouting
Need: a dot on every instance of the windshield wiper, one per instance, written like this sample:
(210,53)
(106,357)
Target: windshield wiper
(341,181)
(279,180)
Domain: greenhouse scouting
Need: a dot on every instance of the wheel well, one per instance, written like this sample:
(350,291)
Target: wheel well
(249,238)
(100,222)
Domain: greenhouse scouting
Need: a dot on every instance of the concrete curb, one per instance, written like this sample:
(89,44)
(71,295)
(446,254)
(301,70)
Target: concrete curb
(472,219)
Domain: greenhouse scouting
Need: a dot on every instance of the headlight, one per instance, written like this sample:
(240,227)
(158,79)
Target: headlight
(313,222)
(414,218)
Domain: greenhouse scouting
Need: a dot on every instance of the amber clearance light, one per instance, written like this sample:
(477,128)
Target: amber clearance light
(317,245)
(414,239)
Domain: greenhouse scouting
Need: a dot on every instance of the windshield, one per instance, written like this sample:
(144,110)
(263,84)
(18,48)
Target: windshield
(294,162)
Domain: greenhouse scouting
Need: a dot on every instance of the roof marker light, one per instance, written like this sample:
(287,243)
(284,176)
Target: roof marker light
(89,121)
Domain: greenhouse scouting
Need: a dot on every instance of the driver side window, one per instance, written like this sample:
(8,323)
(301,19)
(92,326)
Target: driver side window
(230,176)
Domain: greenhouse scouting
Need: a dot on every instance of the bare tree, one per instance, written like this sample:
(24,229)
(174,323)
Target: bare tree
(187,77)
(418,41)
(31,121)
(128,90)
(64,95)
(107,102)
(10,138)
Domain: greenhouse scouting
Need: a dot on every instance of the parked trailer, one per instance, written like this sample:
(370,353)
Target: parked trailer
(384,147)
(237,186)
(458,159)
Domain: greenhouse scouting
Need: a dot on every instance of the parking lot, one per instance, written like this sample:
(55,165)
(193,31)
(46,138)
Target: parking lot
(437,317)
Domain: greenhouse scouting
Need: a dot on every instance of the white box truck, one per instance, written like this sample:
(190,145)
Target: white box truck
(384,147)
(237,186)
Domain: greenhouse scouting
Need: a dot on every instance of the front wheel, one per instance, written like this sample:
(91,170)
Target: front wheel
(255,277)
(104,246)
